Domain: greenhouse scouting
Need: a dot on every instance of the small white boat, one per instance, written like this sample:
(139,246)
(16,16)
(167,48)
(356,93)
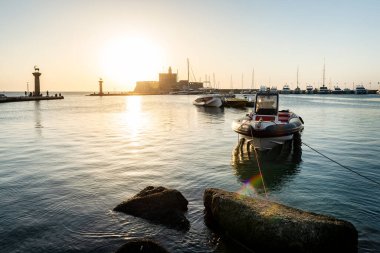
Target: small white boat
(267,127)
(210,100)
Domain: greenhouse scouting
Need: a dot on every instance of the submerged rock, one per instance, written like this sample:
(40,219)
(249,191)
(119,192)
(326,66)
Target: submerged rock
(141,246)
(268,226)
(159,205)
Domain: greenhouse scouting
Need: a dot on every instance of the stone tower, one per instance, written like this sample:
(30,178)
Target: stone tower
(100,87)
(37,89)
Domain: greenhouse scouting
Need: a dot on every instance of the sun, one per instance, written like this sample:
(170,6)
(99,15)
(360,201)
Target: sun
(125,60)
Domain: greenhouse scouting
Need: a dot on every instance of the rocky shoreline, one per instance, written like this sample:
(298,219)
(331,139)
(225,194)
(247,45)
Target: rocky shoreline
(261,225)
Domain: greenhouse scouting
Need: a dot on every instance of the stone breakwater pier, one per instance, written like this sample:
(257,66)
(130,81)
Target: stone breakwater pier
(26,98)
(32,96)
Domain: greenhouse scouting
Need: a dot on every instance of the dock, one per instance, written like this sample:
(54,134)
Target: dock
(110,94)
(26,98)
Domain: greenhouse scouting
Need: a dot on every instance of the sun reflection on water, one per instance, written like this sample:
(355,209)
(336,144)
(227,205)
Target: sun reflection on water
(133,118)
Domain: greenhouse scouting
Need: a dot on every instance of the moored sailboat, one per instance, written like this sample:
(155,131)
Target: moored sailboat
(323,89)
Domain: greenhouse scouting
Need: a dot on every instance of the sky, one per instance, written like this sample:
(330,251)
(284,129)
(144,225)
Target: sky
(237,43)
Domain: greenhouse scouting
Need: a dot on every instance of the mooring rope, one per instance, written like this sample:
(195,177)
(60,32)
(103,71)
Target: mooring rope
(257,160)
(261,174)
(343,166)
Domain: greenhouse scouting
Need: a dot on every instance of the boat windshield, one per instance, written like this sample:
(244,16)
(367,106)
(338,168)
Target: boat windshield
(266,104)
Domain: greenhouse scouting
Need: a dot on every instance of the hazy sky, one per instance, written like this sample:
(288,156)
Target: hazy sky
(74,42)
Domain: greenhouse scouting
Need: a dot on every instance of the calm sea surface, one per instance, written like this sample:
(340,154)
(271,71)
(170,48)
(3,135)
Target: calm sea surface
(65,164)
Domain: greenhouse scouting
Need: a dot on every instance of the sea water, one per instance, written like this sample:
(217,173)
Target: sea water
(65,164)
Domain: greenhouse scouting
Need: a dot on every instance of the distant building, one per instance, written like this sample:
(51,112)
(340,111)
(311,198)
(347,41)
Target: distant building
(167,82)
(147,87)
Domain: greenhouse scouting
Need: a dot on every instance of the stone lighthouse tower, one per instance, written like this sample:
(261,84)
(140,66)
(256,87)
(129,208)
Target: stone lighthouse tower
(36,73)
(100,87)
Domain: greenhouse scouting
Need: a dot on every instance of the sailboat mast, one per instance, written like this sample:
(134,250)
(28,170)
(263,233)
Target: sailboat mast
(242,77)
(253,78)
(324,71)
(297,75)
(188,72)
(213,78)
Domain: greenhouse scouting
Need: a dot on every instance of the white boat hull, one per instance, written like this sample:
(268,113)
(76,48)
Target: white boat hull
(208,101)
(263,144)
(267,127)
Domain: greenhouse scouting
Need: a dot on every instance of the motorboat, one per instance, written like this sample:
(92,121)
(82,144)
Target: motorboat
(297,90)
(323,90)
(285,89)
(235,102)
(250,100)
(210,100)
(360,90)
(273,89)
(309,89)
(347,91)
(337,90)
(266,127)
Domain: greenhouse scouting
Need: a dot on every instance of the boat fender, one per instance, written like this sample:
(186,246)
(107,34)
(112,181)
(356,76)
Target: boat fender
(301,120)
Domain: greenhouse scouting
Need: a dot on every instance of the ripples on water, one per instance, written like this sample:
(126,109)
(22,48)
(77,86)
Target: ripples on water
(66,164)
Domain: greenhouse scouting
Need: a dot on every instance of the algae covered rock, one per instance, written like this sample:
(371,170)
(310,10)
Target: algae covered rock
(267,226)
(159,205)
(141,246)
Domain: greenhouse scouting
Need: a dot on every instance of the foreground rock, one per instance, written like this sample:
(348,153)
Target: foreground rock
(141,246)
(267,226)
(159,205)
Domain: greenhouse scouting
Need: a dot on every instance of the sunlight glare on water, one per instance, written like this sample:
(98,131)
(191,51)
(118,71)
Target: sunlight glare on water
(66,164)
